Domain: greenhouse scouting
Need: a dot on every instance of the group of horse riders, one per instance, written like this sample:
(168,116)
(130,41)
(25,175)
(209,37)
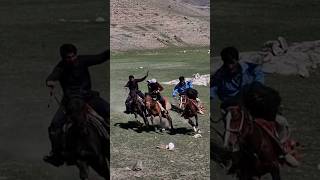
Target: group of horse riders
(155,89)
(233,79)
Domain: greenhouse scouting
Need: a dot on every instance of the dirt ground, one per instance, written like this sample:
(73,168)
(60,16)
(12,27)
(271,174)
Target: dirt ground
(151,24)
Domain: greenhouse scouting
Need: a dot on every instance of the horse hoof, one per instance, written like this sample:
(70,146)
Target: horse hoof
(194,129)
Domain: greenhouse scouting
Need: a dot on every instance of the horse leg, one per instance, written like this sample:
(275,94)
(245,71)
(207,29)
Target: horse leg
(102,168)
(170,122)
(160,117)
(151,118)
(196,117)
(146,122)
(192,124)
(275,173)
(83,169)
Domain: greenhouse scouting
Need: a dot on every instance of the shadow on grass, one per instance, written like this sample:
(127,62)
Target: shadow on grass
(176,109)
(139,128)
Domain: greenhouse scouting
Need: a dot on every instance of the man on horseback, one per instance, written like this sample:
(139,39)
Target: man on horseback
(154,89)
(132,84)
(229,82)
(73,75)
(186,88)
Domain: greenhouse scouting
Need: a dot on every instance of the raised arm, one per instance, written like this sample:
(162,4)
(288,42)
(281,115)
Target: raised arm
(91,60)
(142,79)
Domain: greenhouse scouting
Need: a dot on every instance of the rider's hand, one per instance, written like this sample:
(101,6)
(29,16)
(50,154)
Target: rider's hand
(51,84)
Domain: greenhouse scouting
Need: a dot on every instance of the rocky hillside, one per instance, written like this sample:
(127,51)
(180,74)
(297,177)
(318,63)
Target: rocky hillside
(149,24)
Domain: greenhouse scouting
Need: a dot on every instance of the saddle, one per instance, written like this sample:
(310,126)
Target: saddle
(270,127)
(92,119)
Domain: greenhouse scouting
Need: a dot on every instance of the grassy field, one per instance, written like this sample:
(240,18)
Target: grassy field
(247,24)
(31,34)
(191,158)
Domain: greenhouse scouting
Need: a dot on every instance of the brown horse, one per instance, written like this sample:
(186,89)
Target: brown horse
(154,109)
(257,152)
(182,101)
(191,110)
(138,107)
(86,140)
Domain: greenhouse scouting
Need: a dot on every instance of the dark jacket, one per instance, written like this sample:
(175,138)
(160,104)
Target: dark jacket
(133,85)
(152,87)
(75,78)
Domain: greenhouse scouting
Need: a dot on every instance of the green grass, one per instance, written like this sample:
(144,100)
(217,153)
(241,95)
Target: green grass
(191,159)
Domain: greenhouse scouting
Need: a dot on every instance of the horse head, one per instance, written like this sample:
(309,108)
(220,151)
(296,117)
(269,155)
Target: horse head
(76,110)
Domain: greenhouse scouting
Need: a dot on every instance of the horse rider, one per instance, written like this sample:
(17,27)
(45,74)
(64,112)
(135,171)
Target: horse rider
(73,75)
(228,82)
(154,89)
(132,84)
(186,88)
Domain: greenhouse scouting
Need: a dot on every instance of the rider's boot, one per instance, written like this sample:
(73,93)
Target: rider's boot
(127,111)
(55,158)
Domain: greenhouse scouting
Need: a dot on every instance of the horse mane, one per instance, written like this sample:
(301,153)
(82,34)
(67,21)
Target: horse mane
(261,101)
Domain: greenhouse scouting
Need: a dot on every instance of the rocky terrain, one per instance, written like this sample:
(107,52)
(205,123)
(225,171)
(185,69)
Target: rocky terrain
(149,24)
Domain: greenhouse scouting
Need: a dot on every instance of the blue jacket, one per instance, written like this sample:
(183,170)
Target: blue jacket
(225,88)
(179,88)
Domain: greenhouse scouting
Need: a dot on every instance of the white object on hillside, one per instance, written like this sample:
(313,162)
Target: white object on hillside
(197,79)
(282,58)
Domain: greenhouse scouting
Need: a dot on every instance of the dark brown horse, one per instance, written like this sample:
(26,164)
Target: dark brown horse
(257,152)
(138,107)
(86,140)
(154,109)
(190,111)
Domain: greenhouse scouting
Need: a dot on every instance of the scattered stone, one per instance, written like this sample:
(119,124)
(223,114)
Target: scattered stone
(170,146)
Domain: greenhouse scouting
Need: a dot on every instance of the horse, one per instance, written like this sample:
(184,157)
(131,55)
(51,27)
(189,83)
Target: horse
(257,152)
(154,109)
(86,140)
(182,101)
(191,110)
(138,107)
